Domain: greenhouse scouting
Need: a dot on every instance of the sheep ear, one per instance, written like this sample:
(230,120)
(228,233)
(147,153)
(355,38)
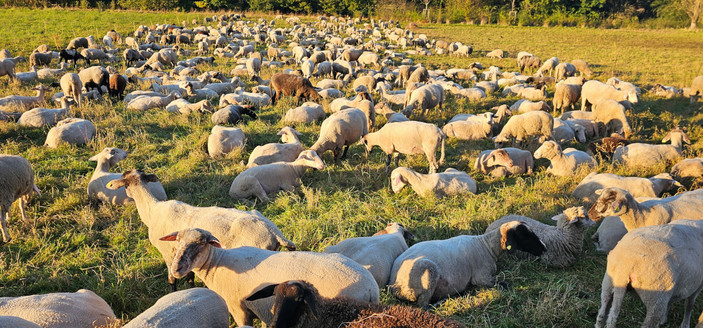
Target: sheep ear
(409,235)
(686,139)
(214,242)
(599,192)
(280,133)
(94,158)
(265,292)
(667,138)
(170,237)
(116,184)
(150,178)
(311,303)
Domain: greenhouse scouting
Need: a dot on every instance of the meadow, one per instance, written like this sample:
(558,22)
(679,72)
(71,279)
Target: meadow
(73,242)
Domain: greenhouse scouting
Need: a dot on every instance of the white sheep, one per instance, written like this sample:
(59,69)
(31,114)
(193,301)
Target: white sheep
(144,103)
(548,66)
(16,182)
(495,54)
(97,187)
(308,112)
(195,307)
(564,70)
(223,140)
(73,131)
(691,168)
(423,98)
(391,116)
(637,187)
(563,132)
(16,322)
(481,128)
(432,270)
(592,92)
(563,242)
(609,233)
(7,67)
(40,117)
(640,154)
(612,114)
(525,105)
(375,253)
(340,130)
(532,93)
(237,273)
(566,95)
(410,138)
(71,85)
(526,125)
(564,163)
(287,151)
(11,103)
(662,264)
(185,107)
(261,180)
(504,162)
(451,182)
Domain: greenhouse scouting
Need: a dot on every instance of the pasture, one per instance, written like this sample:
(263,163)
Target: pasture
(80,243)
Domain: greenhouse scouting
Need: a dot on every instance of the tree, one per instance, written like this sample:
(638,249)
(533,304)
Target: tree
(693,9)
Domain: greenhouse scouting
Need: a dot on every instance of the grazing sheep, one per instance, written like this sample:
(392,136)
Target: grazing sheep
(165,56)
(564,163)
(362,103)
(582,67)
(432,270)
(451,182)
(97,187)
(408,138)
(566,95)
(690,168)
(232,114)
(186,108)
(258,181)
(495,54)
(195,307)
(548,66)
(525,125)
(695,92)
(37,58)
(73,131)
(223,140)
(404,72)
(117,85)
(637,187)
(614,201)
(609,233)
(144,103)
(308,112)
(504,162)
(662,264)
(340,130)
(77,43)
(640,154)
(563,242)
(40,117)
(298,304)
(237,273)
(612,114)
(11,103)
(564,70)
(67,54)
(375,253)
(131,56)
(287,151)
(469,130)
(233,227)
(89,54)
(423,98)
(292,85)
(16,182)
(528,61)
(593,92)
(82,309)
(95,78)
(7,67)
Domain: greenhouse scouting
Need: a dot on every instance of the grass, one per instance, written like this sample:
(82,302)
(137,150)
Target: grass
(79,243)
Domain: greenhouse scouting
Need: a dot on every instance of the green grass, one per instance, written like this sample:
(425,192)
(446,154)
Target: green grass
(79,243)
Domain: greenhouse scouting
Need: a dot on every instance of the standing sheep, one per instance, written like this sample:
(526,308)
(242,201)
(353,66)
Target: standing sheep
(95,78)
(117,85)
(340,130)
(423,98)
(564,163)
(292,85)
(223,140)
(16,182)
(526,125)
(73,131)
(287,151)
(640,154)
(408,138)
(7,67)
(563,71)
(695,93)
(582,67)
(566,95)
(451,182)
(612,114)
(72,85)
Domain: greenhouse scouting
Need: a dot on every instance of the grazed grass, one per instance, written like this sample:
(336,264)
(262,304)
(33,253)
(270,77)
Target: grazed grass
(78,243)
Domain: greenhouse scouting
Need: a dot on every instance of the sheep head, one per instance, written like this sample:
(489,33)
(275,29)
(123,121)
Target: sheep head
(191,250)
(398,180)
(499,157)
(396,227)
(573,215)
(310,158)
(291,300)
(677,133)
(517,235)
(548,150)
(112,155)
(612,201)
(132,178)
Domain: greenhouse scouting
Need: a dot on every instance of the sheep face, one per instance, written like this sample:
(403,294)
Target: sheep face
(573,215)
(516,235)
(612,202)
(132,178)
(112,155)
(632,97)
(499,157)
(395,227)
(291,300)
(310,158)
(191,251)
(548,150)
(675,134)
(398,182)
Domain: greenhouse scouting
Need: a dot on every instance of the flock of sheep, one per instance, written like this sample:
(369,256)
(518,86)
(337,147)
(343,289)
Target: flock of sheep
(655,244)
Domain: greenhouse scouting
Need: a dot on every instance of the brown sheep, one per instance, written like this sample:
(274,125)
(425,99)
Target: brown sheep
(292,85)
(117,85)
(604,148)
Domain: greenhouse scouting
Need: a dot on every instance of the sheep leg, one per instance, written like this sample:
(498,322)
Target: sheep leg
(388,162)
(4,217)
(172,282)
(397,159)
(344,153)
(606,299)
(618,295)
(23,204)
(656,313)
(686,323)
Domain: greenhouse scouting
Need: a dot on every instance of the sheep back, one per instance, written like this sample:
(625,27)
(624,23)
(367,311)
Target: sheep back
(195,307)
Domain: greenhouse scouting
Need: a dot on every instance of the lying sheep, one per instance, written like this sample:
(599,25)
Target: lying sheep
(16,322)
(609,233)
(97,187)
(308,112)
(469,130)
(299,304)
(73,131)
(451,182)
(261,180)
(640,154)
(432,270)
(223,140)
(229,272)
(614,201)
(340,130)
(292,85)
(375,253)
(12,103)
(623,86)
(690,168)
(16,182)
(504,162)
(184,107)
(525,105)
(534,94)
(83,308)
(566,95)
(637,187)
(612,114)
(564,163)
(232,114)
(409,138)
(526,125)
(287,151)
(563,132)
(185,309)
(563,242)
(40,117)
(662,264)
(391,116)
(593,92)
(144,103)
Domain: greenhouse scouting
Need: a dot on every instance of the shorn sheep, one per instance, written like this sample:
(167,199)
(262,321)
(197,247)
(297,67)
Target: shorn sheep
(339,131)
(411,138)
(432,270)
(451,182)
(73,131)
(504,162)
(223,140)
(236,273)
(531,124)
(287,151)
(16,182)
(662,264)
(292,85)
(564,163)
(563,242)
(298,304)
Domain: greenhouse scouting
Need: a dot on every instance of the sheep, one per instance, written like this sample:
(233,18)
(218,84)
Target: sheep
(590,128)
(564,163)
(496,54)
(307,67)
(223,140)
(662,264)
(185,309)
(423,98)
(690,168)
(605,147)
(563,242)
(582,67)
(240,97)
(637,187)
(299,304)
(408,138)
(593,92)
(258,181)
(375,253)
(292,85)
(52,73)
(609,233)
(233,227)
(287,151)
(695,92)
(524,105)
(504,162)
(340,130)
(612,114)
(16,182)
(566,95)
(226,272)
(253,65)
(40,117)
(623,86)
(131,56)
(37,58)
(613,201)
(525,125)
(664,91)
(144,103)
(469,130)
(391,116)
(7,67)
(16,322)
(431,270)
(404,72)
(82,309)
(74,131)
(564,70)
(117,85)
(369,58)
(95,78)
(529,61)
(24,102)
(89,54)
(165,56)
(473,94)
(563,132)
(548,65)
(451,182)
(97,186)
(308,112)
(232,114)
(184,107)
(640,154)
(419,75)
(77,43)
(67,54)
(534,94)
